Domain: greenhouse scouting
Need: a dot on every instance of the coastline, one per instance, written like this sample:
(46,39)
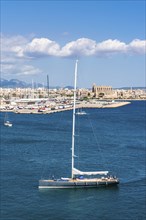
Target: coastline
(83,105)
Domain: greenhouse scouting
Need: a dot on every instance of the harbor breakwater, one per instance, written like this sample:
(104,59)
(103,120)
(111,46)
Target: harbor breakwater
(87,105)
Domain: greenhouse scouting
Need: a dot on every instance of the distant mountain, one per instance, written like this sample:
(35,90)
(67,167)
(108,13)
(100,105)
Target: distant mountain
(68,87)
(15,83)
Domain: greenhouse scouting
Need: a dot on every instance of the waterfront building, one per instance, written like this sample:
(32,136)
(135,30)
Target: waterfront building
(102,91)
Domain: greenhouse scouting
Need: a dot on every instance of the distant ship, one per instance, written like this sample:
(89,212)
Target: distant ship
(81,112)
(6,121)
(79,179)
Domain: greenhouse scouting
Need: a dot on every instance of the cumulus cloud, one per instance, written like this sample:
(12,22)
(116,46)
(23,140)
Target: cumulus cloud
(39,47)
(80,47)
(111,46)
(16,51)
(137,46)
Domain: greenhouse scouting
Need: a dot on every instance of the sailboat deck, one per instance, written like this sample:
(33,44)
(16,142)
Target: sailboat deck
(78,183)
(108,179)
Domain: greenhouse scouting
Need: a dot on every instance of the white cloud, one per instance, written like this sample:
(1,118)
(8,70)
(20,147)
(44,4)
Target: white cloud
(21,47)
(137,46)
(13,60)
(80,47)
(29,70)
(111,46)
(41,47)
(17,69)
(17,51)
(12,44)
(11,47)
(6,68)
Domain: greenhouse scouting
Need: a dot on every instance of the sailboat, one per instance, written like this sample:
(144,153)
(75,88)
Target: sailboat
(6,121)
(81,112)
(79,179)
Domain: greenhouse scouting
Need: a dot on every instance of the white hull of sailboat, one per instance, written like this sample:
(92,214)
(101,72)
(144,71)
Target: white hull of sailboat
(87,183)
(8,124)
(81,113)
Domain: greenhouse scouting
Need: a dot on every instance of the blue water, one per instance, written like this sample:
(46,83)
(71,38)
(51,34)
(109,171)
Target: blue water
(39,146)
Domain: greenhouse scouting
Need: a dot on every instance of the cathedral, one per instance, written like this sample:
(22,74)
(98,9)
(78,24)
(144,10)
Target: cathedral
(101,91)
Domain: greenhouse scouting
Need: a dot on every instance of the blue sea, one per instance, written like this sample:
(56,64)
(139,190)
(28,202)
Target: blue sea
(39,146)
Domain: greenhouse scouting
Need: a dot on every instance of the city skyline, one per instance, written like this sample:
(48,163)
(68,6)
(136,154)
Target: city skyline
(40,38)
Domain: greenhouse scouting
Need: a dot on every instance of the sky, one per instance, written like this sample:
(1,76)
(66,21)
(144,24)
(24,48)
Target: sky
(40,38)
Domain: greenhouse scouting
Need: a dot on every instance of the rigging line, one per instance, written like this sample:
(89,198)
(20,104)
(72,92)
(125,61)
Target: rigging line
(111,119)
(78,121)
(78,141)
(117,132)
(97,143)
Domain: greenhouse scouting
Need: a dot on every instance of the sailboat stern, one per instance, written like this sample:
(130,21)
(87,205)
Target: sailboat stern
(56,184)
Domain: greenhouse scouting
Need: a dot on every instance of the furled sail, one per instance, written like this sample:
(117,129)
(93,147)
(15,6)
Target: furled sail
(78,172)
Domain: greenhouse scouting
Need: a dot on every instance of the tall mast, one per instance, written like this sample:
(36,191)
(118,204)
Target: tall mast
(74,113)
